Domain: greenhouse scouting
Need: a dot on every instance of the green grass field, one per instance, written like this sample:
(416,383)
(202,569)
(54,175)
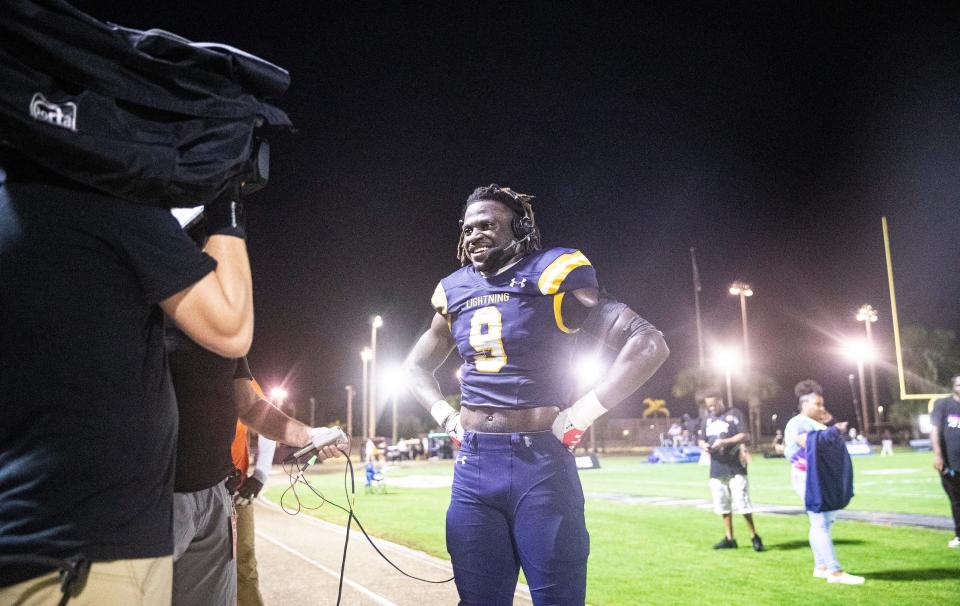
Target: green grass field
(646,554)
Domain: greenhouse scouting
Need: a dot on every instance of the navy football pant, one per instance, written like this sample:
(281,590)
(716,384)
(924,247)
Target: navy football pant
(517,501)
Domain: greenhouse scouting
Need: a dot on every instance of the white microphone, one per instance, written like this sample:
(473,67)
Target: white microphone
(320,437)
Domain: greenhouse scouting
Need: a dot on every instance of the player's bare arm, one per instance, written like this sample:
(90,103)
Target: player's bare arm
(641,351)
(937,453)
(430,351)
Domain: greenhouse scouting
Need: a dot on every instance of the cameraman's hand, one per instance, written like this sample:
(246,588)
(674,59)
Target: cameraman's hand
(225,216)
(842,426)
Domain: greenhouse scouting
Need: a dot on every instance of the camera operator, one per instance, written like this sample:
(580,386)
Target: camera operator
(89,417)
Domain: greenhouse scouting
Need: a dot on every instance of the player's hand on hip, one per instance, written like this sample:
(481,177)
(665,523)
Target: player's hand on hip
(571,423)
(455,430)
(449,419)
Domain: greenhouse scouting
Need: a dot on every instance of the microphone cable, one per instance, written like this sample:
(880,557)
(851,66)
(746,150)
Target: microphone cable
(295,469)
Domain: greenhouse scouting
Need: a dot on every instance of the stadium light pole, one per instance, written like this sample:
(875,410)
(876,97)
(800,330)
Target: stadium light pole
(365,355)
(743,290)
(868,315)
(349,389)
(859,352)
(375,323)
(726,360)
(393,382)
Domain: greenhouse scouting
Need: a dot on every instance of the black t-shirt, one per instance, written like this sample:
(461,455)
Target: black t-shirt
(87,415)
(946,417)
(203,382)
(726,461)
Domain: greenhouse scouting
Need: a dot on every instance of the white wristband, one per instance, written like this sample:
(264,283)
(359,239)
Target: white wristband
(441,411)
(586,410)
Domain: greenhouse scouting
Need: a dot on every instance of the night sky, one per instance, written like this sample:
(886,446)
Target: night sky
(770,138)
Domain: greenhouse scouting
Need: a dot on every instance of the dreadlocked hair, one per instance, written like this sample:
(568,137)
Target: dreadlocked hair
(521,204)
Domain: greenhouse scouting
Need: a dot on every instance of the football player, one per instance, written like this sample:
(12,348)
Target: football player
(512,312)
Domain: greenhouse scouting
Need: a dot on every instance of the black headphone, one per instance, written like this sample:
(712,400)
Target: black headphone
(522,226)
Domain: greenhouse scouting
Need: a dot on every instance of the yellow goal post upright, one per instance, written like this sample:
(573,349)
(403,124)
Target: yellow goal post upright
(901,375)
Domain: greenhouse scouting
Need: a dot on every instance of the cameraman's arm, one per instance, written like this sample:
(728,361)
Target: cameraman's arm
(217,311)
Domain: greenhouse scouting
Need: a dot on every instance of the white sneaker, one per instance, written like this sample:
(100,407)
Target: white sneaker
(954,542)
(821,573)
(845,579)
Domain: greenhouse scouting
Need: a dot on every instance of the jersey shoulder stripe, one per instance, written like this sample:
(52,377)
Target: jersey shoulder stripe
(553,276)
(439,299)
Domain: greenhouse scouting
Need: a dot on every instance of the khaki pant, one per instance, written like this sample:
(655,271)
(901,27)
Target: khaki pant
(141,582)
(248,589)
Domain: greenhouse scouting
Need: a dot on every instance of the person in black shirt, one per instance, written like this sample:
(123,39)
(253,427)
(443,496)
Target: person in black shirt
(212,392)
(723,434)
(89,419)
(945,439)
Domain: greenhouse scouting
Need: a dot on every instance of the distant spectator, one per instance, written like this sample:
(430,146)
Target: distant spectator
(778,443)
(692,425)
(723,434)
(675,433)
(810,444)
(886,443)
(945,439)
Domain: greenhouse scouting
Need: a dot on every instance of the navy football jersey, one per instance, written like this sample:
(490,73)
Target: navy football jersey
(509,329)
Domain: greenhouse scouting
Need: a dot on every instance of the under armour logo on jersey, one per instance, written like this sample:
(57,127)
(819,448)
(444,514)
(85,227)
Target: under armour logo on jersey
(521,282)
(462,460)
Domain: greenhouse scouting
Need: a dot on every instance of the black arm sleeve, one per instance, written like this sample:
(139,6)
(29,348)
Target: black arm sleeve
(607,324)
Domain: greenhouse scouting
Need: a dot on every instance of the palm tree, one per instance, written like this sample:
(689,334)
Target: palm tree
(930,357)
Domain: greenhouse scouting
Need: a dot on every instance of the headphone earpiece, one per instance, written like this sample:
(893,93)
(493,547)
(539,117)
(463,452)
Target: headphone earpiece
(522,227)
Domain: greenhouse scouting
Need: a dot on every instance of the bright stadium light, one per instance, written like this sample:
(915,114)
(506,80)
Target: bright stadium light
(741,287)
(727,360)
(857,350)
(278,393)
(588,370)
(393,382)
